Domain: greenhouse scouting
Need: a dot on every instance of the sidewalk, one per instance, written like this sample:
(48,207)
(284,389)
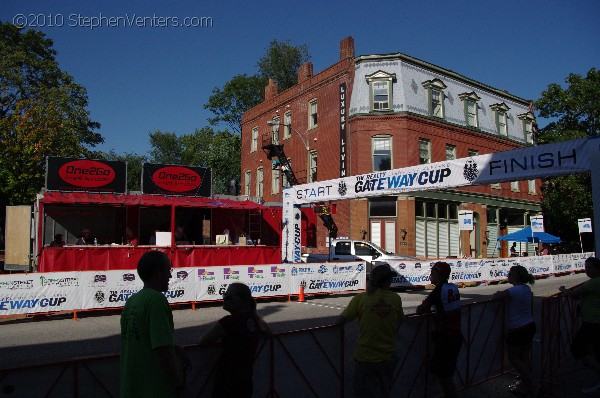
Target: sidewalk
(565,386)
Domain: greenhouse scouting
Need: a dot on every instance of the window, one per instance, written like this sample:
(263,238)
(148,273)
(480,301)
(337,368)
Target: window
(287,125)
(496,185)
(383,207)
(275,181)
(470,104)
(312,114)
(500,110)
(247,183)
(284,179)
(312,168)
(531,187)
(437,234)
(424,151)
(275,131)
(527,120)
(473,152)
(382,153)
(380,84)
(514,186)
(435,95)
(450,152)
(259,182)
(254,143)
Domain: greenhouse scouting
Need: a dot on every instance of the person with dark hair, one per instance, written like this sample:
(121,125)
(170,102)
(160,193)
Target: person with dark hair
(513,250)
(379,313)
(521,327)
(150,365)
(586,344)
(239,334)
(58,241)
(447,336)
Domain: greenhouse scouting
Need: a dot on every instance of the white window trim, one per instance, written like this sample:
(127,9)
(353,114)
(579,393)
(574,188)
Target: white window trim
(527,119)
(287,125)
(379,137)
(254,139)
(531,187)
(453,147)
(514,186)
(275,180)
(378,77)
(312,155)
(429,150)
(311,124)
(470,98)
(501,110)
(431,86)
(275,130)
(260,187)
(247,182)
(496,185)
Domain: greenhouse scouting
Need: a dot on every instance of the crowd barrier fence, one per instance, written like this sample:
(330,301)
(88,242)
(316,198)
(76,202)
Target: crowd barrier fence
(313,362)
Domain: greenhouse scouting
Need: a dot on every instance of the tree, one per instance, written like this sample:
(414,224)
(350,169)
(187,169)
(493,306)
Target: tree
(575,113)
(282,61)
(205,148)
(42,113)
(134,166)
(237,96)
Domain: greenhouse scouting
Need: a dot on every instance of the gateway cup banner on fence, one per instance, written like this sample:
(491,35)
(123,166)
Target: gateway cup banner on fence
(562,158)
(327,277)
(33,293)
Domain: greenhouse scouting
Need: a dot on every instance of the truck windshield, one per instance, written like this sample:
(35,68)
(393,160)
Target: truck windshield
(379,248)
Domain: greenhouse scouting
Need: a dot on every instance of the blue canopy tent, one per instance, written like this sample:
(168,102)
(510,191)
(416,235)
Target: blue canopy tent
(524,235)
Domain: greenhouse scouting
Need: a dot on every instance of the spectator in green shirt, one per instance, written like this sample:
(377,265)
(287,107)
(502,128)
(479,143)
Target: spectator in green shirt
(379,314)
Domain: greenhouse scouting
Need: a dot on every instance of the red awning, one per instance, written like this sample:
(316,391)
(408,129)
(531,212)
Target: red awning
(146,200)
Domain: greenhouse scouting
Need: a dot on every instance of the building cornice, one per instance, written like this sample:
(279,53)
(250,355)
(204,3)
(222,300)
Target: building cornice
(440,70)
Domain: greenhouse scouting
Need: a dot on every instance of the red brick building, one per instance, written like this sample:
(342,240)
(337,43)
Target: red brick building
(394,111)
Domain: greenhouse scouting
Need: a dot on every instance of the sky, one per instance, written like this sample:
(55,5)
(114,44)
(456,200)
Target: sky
(150,77)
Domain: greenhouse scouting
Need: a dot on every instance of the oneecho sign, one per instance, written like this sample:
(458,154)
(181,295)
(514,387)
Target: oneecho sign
(176,180)
(66,174)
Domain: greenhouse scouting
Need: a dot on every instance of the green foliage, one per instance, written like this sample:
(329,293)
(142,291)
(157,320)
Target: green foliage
(42,113)
(134,166)
(206,148)
(574,113)
(236,97)
(282,61)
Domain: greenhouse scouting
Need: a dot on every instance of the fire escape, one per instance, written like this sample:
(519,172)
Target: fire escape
(280,161)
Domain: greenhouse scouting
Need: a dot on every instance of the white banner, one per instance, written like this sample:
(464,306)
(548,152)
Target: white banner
(108,289)
(36,293)
(327,277)
(567,157)
(537,223)
(465,220)
(585,225)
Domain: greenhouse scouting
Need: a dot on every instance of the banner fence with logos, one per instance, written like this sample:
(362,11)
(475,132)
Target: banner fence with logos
(26,294)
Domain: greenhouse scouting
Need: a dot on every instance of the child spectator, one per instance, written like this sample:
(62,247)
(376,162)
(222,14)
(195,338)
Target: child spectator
(521,327)
(239,334)
(447,336)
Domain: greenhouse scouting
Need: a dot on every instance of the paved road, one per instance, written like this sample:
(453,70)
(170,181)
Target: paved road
(59,337)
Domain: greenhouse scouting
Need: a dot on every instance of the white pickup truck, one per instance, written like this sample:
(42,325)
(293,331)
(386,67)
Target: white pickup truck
(342,250)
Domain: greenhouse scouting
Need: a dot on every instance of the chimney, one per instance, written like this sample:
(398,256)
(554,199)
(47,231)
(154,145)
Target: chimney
(347,48)
(305,71)
(271,89)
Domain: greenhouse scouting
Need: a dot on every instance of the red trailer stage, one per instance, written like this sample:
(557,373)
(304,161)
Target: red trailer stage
(113,220)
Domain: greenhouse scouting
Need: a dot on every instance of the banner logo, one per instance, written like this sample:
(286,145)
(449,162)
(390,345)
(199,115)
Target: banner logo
(87,173)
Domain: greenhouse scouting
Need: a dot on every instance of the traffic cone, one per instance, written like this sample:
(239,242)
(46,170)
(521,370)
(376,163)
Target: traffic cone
(301,295)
